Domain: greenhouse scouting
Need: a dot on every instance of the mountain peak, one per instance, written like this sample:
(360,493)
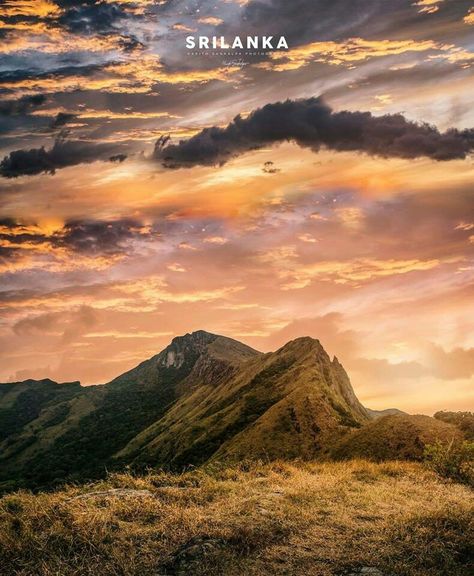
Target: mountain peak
(197,336)
(304,345)
(200,343)
(193,343)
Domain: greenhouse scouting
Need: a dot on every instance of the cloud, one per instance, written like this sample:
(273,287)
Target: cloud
(99,236)
(354,272)
(69,324)
(469,18)
(118,158)
(211,20)
(347,52)
(311,123)
(77,245)
(61,119)
(86,236)
(343,19)
(21,106)
(64,153)
(452,365)
(328,328)
(133,76)
(29,9)
(381,370)
(90,18)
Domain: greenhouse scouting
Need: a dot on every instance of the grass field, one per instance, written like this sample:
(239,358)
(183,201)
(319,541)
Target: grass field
(283,519)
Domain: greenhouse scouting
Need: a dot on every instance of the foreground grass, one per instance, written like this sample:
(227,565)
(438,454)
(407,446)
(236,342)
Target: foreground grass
(282,519)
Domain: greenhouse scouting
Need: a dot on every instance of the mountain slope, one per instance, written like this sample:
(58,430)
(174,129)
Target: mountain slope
(22,402)
(98,421)
(203,398)
(286,403)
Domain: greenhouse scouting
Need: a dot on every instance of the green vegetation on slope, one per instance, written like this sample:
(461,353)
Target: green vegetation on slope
(69,432)
(203,397)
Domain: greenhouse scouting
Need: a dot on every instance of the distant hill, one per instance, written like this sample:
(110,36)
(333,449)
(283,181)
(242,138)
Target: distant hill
(374,414)
(395,437)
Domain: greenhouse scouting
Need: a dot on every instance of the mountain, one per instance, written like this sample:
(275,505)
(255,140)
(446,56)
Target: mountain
(92,423)
(374,414)
(283,404)
(202,399)
(24,402)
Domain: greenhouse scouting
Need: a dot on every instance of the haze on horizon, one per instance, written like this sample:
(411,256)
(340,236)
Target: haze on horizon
(106,254)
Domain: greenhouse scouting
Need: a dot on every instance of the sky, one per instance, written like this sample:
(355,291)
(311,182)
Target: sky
(147,190)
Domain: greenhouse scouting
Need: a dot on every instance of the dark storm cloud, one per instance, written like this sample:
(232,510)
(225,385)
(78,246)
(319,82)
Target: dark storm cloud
(64,153)
(61,119)
(21,106)
(92,237)
(90,17)
(311,123)
(98,236)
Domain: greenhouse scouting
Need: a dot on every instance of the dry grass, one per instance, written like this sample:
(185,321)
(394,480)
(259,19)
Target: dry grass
(273,519)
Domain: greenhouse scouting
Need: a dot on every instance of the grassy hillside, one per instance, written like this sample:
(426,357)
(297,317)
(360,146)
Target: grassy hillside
(24,402)
(50,432)
(275,519)
(203,397)
(397,436)
(284,404)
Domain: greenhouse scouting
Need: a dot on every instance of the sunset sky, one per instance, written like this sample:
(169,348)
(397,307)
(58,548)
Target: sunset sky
(264,231)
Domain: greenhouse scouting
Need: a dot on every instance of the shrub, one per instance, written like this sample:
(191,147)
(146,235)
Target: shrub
(453,460)
(463,420)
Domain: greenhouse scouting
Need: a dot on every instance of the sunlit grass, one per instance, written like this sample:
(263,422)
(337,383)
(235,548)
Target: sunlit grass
(280,518)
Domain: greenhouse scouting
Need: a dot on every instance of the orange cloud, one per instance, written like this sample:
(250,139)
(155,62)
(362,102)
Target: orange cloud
(348,52)
(182,28)
(296,275)
(45,37)
(91,114)
(216,240)
(211,20)
(39,8)
(428,6)
(134,76)
(469,18)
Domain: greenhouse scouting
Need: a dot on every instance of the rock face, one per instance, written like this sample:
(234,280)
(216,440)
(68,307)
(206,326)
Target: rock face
(203,398)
